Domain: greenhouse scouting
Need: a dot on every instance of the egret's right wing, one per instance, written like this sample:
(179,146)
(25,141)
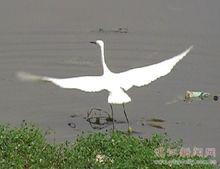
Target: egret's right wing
(84,83)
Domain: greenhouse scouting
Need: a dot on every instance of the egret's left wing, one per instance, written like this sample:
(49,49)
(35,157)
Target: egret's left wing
(145,75)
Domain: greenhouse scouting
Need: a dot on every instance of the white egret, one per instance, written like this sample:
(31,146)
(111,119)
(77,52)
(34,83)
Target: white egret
(115,83)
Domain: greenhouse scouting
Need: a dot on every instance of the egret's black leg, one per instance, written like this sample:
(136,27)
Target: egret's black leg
(126,115)
(112,118)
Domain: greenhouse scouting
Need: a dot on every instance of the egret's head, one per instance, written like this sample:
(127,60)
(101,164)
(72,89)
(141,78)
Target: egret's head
(98,42)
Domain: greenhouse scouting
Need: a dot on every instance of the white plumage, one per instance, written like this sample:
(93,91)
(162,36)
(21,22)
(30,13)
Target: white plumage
(115,83)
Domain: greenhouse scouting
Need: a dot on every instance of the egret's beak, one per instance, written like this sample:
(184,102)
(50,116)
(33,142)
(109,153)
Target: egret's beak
(94,43)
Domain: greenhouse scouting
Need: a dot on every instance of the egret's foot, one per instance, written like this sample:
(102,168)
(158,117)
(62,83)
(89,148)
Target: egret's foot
(130,130)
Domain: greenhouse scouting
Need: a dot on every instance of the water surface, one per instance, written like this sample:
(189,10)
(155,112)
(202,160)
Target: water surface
(52,38)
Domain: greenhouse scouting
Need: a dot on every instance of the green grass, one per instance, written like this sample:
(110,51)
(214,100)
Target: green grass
(26,147)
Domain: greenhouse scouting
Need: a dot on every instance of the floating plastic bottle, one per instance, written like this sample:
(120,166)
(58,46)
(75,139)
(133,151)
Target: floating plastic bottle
(199,95)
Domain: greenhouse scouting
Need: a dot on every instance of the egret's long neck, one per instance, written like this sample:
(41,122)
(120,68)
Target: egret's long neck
(105,68)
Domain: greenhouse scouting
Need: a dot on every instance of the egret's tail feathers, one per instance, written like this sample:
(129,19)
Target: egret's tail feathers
(24,76)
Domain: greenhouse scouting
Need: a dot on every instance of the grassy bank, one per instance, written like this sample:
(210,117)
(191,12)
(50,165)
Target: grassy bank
(26,147)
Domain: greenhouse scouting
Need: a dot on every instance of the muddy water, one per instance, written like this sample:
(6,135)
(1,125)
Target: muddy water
(52,38)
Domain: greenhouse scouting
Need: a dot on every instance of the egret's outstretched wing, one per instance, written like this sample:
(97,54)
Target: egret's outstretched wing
(84,83)
(145,75)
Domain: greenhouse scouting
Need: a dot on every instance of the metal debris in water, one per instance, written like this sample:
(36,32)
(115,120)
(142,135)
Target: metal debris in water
(156,125)
(118,30)
(98,118)
(156,120)
(74,115)
(215,98)
(72,125)
(153,122)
